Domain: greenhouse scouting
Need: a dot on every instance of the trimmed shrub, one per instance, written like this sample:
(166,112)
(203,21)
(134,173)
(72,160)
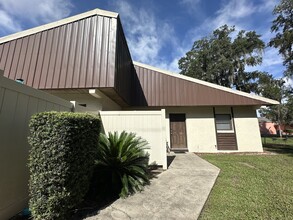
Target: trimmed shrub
(61,161)
(122,163)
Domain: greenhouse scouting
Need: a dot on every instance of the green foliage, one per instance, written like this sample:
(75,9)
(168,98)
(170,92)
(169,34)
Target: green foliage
(283,27)
(272,88)
(289,131)
(61,161)
(221,60)
(123,162)
(276,89)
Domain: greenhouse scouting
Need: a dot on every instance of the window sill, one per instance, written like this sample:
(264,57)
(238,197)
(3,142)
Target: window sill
(225,131)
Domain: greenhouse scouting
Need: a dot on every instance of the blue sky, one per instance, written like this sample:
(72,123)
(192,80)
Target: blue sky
(159,32)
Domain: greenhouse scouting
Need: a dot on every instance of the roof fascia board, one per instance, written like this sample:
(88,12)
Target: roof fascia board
(58,23)
(201,82)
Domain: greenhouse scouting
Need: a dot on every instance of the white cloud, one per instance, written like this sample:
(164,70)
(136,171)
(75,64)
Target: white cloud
(236,9)
(33,12)
(170,66)
(191,5)
(272,63)
(289,82)
(271,57)
(233,13)
(146,35)
(267,5)
(7,23)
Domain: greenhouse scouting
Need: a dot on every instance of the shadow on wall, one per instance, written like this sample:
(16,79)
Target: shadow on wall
(138,96)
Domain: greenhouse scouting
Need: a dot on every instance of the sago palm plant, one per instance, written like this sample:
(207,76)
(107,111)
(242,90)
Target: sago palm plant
(123,159)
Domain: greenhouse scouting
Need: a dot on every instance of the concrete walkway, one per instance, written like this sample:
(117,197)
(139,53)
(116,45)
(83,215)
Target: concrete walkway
(178,193)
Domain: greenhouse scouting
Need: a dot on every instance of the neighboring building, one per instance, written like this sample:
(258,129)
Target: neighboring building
(86,58)
(267,127)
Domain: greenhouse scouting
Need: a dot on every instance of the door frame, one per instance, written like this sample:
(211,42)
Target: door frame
(170,132)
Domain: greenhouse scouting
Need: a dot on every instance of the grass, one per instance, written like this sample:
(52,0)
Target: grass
(277,140)
(252,186)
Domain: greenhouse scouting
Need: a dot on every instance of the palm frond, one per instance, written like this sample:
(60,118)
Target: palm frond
(124,156)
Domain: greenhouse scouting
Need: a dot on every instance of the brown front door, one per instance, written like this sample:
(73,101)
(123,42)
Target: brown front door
(178,131)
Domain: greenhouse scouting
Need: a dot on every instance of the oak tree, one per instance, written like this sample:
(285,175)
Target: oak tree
(283,28)
(276,89)
(221,59)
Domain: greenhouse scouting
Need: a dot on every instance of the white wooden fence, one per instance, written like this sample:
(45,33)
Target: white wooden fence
(17,103)
(150,125)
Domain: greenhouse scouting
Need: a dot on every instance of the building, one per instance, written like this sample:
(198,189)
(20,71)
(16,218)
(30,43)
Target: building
(267,127)
(85,58)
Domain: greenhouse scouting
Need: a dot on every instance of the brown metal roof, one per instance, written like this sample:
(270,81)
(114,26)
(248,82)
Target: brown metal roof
(169,89)
(90,51)
(84,51)
(80,54)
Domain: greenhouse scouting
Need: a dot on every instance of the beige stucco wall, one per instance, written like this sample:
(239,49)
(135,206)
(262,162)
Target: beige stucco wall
(200,128)
(201,133)
(149,125)
(17,104)
(247,129)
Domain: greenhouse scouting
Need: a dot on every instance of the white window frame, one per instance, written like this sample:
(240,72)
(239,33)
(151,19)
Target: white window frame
(231,130)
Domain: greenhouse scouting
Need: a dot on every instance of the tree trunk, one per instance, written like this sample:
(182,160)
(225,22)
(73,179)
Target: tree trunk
(279,121)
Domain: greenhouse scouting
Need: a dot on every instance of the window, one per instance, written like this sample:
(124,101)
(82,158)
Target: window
(223,122)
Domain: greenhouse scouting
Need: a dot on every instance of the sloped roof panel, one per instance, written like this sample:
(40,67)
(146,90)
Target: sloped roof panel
(78,54)
(162,88)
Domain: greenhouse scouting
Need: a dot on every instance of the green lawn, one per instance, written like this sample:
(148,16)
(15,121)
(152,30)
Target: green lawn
(277,140)
(252,186)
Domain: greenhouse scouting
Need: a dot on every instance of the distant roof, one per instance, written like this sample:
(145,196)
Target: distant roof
(262,119)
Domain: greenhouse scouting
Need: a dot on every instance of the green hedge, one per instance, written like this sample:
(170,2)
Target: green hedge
(61,161)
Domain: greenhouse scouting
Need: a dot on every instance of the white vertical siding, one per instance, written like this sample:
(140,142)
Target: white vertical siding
(149,125)
(17,104)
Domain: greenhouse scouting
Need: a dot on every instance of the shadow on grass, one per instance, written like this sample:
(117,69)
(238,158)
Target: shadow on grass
(279,148)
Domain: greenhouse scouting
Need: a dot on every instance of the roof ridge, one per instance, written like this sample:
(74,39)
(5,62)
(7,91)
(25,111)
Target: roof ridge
(212,85)
(63,21)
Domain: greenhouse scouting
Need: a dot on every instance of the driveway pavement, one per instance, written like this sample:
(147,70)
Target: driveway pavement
(178,193)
